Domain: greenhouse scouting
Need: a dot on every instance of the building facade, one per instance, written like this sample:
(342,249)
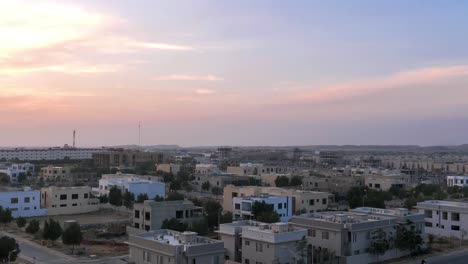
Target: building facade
(242,206)
(345,236)
(445,218)
(120,158)
(26,203)
(132,185)
(460,181)
(68,174)
(255,242)
(69,200)
(304,201)
(166,246)
(150,214)
(48,153)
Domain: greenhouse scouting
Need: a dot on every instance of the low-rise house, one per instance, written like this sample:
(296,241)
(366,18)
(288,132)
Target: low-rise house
(15,170)
(69,200)
(68,174)
(25,203)
(166,246)
(255,242)
(150,214)
(219,180)
(132,185)
(445,218)
(460,181)
(346,236)
(243,206)
(302,201)
(168,168)
(206,168)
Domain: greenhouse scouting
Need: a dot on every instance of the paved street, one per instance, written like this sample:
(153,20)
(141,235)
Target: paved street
(459,256)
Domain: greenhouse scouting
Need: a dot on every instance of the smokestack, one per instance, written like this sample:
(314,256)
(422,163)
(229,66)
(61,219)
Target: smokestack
(74,134)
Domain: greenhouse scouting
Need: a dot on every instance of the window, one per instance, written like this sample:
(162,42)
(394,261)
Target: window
(26,208)
(86,196)
(455,217)
(311,202)
(311,232)
(247,243)
(147,228)
(324,201)
(428,213)
(137,225)
(74,196)
(455,228)
(325,235)
(137,214)
(428,224)
(246,261)
(63,205)
(63,197)
(14,200)
(27,199)
(377,185)
(146,256)
(444,215)
(259,247)
(216,260)
(179,214)
(147,216)
(280,206)
(237,206)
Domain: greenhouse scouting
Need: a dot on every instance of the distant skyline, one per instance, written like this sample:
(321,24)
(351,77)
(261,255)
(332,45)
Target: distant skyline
(240,72)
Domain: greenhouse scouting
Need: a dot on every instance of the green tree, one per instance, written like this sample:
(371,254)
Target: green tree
(301,249)
(295,181)
(264,212)
(52,230)
(21,222)
(226,217)
(22,177)
(205,186)
(379,243)
(128,199)
(174,196)
(201,227)
(4,178)
(142,197)
(5,215)
(217,190)
(115,196)
(408,237)
(158,198)
(173,224)
(103,199)
(72,236)
(9,249)
(281,181)
(33,227)
(213,209)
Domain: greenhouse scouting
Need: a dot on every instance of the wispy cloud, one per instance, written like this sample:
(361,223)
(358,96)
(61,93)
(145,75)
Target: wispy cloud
(204,91)
(404,79)
(64,68)
(160,46)
(185,77)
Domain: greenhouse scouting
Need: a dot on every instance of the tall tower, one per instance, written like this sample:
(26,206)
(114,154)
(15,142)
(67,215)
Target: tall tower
(74,135)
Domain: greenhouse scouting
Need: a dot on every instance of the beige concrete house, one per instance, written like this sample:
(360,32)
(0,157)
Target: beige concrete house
(69,200)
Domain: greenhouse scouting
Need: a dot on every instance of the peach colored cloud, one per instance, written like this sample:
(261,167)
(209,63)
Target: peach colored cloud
(188,77)
(404,79)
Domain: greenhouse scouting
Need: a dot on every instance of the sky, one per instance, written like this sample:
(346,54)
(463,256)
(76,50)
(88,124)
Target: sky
(209,72)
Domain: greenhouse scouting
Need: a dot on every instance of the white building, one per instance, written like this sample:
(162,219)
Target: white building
(132,185)
(460,181)
(345,237)
(243,206)
(56,153)
(445,218)
(26,203)
(206,168)
(167,246)
(255,242)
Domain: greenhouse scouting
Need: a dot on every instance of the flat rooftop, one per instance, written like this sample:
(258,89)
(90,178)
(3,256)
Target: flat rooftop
(444,203)
(175,238)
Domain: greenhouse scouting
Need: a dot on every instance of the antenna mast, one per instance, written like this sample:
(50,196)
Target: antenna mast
(139,133)
(74,134)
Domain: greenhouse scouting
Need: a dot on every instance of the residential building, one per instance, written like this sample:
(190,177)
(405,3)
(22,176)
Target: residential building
(25,203)
(242,206)
(68,173)
(69,200)
(304,201)
(331,158)
(385,180)
(121,158)
(133,176)
(445,218)
(168,168)
(166,246)
(256,169)
(345,236)
(150,214)
(255,242)
(14,171)
(206,168)
(219,180)
(132,185)
(334,184)
(460,181)
(56,153)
